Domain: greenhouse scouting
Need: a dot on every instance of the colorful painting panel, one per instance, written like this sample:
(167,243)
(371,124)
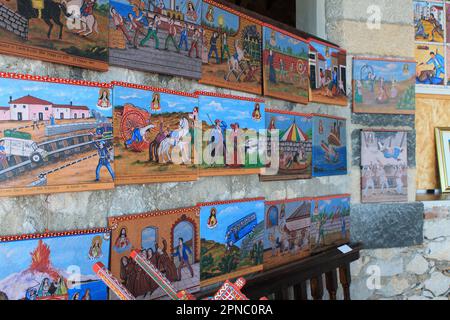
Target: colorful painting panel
(162,36)
(231,132)
(231,53)
(384,162)
(327,73)
(330,222)
(54,266)
(154,130)
(286,237)
(74,32)
(167,239)
(232,239)
(329,146)
(384,86)
(295,134)
(430,64)
(56,135)
(285,69)
(429,21)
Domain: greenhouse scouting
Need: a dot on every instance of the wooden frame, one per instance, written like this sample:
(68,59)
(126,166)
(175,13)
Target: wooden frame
(387,103)
(206,123)
(143,161)
(322,93)
(320,150)
(285,175)
(218,73)
(293,231)
(320,219)
(162,241)
(76,121)
(296,66)
(41,276)
(213,233)
(25,35)
(443,153)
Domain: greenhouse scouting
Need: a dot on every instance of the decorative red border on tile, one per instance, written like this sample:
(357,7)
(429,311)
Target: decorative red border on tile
(310,40)
(328,116)
(339,196)
(154,89)
(383,59)
(292,113)
(236,12)
(272,203)
(114,221)
(228,96)
(286,33)
(18,76)
(46,235)
(217,203)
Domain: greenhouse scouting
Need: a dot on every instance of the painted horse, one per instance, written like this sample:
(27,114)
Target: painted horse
(51,14)
(174,140)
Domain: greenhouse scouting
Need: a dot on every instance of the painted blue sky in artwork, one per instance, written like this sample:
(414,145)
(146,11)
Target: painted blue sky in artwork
(230,111)
(143,100)
(65,251)
(284,121)
(321,48)
(389,70)
(285,41)
(230,20)
(331,205)
(227,214)
(52,92)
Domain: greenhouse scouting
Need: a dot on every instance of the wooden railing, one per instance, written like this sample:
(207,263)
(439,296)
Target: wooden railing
(324,271)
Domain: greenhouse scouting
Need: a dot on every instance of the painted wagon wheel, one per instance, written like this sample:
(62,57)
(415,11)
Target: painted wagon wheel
(131,120)
(301,67)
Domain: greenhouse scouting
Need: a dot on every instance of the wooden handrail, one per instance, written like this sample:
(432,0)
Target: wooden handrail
(278,281)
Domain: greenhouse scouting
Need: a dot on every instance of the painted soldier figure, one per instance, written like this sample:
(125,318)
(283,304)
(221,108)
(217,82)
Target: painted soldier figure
(104,158)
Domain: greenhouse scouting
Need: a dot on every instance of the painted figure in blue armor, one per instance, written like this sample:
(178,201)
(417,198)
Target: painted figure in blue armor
(103,160)
(389,153)
(183,252)
(213,47)
(138,135)
(272,71)
(439,64)
(184,38)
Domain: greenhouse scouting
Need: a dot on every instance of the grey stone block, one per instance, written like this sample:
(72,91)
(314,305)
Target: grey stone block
(387,225)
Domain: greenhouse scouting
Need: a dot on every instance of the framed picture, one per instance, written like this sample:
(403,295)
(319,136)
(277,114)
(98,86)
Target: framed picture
(232,239)
(384,86)
(327,73)
(429,19)
(231,53)
(74,33)
(54,266)
(154,130)
(286,65)
(56,135)
(384,166)
(170,240)
(157,36)
(330,222)
(329,146)
(231,134)
(295,135)
(430,64)
(287,226)
(443,153)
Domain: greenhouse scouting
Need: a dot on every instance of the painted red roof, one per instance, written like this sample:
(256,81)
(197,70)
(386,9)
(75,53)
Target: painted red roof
(31,100)
(69,106)
(4,108)
(311,48)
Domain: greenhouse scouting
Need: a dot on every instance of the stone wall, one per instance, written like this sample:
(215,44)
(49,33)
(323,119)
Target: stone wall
(13,22)
(414,273)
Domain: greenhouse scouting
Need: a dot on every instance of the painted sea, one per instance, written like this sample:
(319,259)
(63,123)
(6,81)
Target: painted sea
(323,167)
(96,290)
